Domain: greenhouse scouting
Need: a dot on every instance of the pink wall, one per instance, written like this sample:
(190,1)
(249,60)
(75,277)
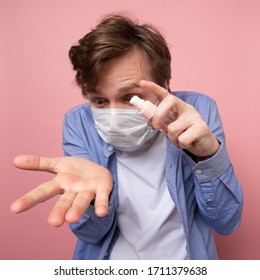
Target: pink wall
(215,48)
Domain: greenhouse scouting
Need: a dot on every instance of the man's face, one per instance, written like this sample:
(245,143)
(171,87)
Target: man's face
(119,81)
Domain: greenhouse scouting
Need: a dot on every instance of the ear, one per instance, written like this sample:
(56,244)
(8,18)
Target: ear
(167,84)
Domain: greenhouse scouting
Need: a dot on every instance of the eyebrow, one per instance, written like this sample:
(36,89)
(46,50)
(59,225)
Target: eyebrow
(129,87)
(121,90)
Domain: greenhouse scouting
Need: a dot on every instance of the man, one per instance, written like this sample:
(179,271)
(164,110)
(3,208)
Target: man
(129,192)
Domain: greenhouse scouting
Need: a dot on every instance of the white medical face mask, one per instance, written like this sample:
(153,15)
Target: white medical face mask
(125,130)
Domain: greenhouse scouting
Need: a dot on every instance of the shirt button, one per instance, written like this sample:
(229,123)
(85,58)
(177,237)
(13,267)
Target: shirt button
(110,148)
(198,171)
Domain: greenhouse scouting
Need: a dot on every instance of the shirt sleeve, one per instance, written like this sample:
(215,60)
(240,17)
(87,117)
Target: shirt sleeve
(72,141)
(217,189)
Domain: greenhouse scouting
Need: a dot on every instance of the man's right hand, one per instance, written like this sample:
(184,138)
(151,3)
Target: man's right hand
(78,180)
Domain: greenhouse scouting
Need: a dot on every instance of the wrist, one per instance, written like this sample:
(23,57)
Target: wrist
(210,154)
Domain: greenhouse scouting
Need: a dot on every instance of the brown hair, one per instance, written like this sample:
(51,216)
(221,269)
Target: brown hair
(112,37)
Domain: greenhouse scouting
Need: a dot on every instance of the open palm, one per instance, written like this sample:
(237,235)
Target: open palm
(78,181)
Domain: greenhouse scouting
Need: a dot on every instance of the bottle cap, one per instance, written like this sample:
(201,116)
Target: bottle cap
(146,108)
(136,101)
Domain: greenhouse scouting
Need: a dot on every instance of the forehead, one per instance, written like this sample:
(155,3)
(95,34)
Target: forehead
(126,70)
(134,60)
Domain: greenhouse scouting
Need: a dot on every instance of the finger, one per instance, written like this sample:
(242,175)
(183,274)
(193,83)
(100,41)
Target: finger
(31,162)
(199,140)
(164,108)
(168,100)
(102,199)
(172,134)
(40,194)
(159,91)
(169,108)
(79,206)
(57,216)
(187,139)
(166,113)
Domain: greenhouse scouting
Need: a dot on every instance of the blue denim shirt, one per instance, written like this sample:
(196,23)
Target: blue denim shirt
(207,194)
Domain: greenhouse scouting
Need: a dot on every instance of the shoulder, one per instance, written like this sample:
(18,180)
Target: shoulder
(200,101)
(80,116)
(78,110)
(193,97)
(81,113)
(204,104)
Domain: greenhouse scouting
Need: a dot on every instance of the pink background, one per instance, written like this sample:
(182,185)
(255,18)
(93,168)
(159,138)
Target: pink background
(215,47)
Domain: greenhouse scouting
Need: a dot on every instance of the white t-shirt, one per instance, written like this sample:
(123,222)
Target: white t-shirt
(148,220)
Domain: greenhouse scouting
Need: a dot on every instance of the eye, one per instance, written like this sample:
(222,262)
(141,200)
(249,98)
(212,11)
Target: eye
(129,96)
(98,101)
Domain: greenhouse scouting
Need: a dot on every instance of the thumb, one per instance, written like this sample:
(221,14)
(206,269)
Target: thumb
(32,162)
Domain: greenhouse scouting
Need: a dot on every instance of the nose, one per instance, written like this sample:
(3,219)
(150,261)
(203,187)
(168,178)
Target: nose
(114,105)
